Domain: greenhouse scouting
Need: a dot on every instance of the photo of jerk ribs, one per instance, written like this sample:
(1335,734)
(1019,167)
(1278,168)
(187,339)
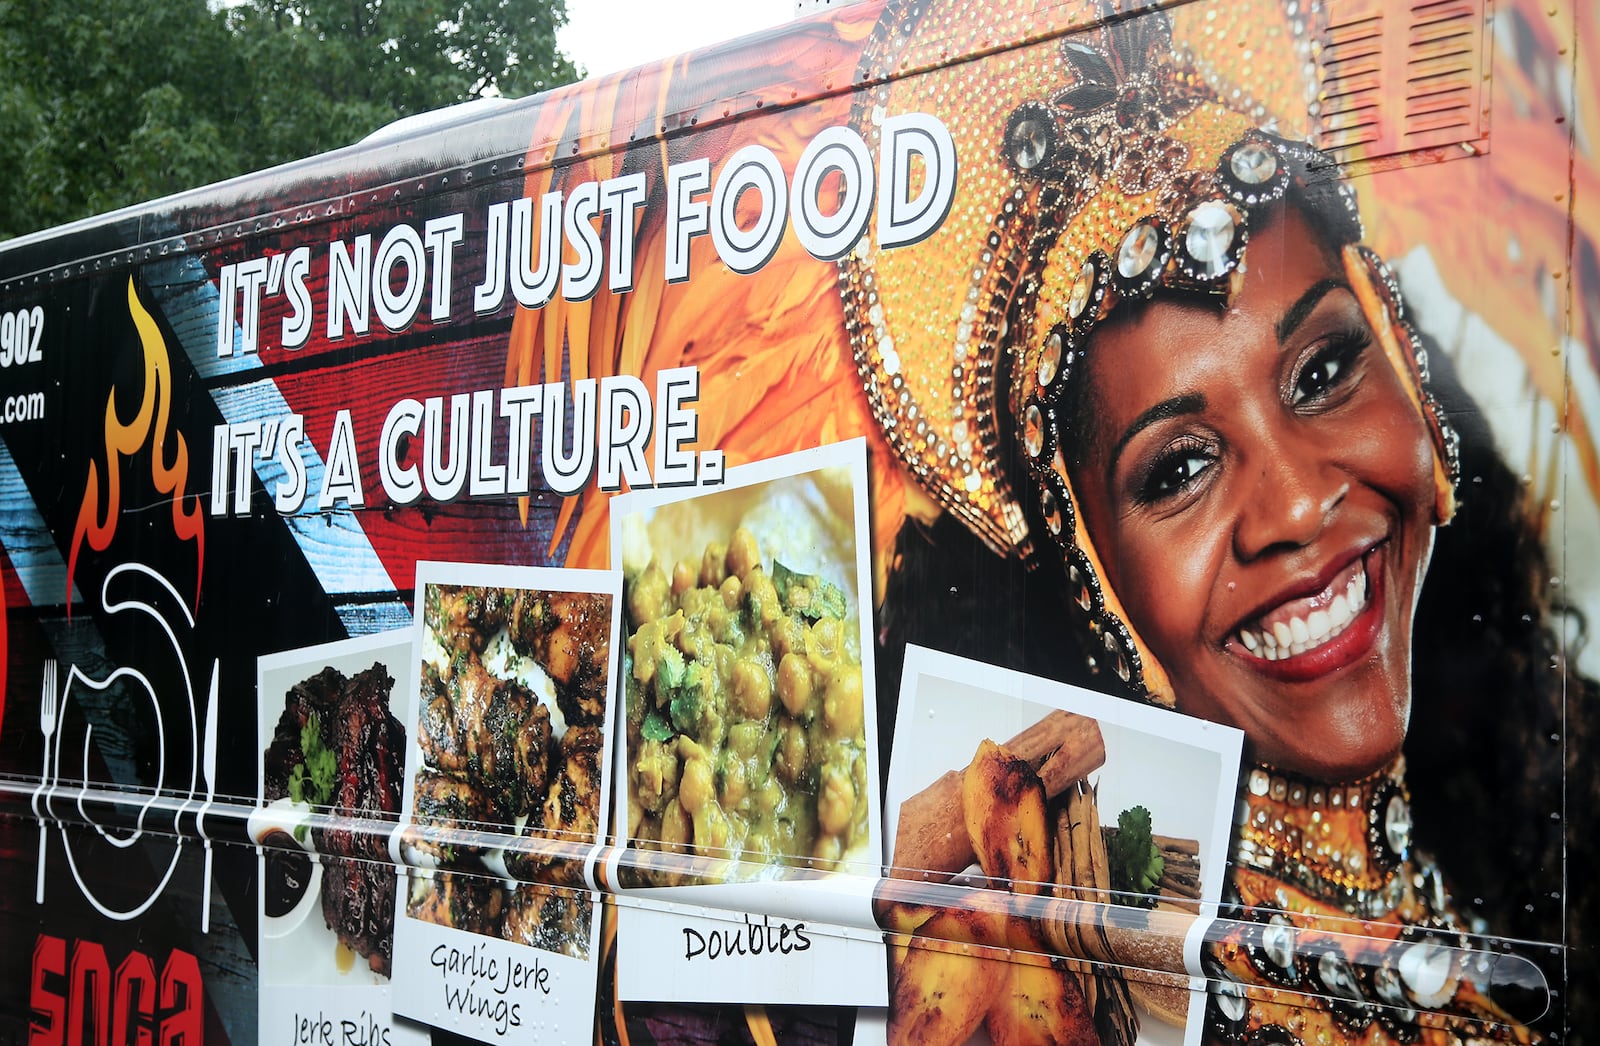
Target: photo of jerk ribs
(350,718)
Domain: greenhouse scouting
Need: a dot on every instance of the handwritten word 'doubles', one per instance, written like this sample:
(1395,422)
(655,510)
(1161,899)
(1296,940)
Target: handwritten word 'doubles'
(752,939)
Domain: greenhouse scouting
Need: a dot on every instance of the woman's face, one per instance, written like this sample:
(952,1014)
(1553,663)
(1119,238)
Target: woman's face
(1260,489)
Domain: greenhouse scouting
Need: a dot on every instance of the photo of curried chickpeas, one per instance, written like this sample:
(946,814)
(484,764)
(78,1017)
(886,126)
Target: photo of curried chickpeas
(745,710)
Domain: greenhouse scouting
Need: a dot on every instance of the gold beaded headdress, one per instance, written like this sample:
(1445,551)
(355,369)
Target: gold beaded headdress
(1094,165)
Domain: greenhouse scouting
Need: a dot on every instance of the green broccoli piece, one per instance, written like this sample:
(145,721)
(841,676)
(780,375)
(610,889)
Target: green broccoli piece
(311,781)
(1136,861)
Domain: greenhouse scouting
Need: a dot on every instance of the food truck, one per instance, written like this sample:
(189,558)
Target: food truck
(945,521)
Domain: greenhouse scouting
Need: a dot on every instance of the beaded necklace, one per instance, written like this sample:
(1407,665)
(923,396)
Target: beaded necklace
(1343,934)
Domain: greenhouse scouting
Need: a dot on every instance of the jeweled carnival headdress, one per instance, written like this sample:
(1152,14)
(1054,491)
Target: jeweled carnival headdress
(1096,165)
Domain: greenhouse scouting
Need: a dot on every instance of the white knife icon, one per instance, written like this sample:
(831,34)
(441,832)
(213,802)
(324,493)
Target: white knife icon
(208,767)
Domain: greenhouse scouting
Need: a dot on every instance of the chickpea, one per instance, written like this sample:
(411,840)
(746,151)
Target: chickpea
(655,776)
(787,635)
(735,784)
(732,591)
(743,555)
(647,598)
(714,720)
(683,577)
(745,739)
(752,689)
(824,643)
(722,623)
(795,684)
(842,704)
(768,798)
(711,829)
(762,597)
(828,850)
(712,569)
(792,752)
(695,789)
(676,830)
(836,801)
(693,642)
(645,647)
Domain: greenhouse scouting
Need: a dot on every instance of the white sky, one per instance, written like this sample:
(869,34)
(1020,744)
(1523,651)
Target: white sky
(604,36)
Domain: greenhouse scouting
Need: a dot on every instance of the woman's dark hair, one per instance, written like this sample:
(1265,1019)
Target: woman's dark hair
(1499,713)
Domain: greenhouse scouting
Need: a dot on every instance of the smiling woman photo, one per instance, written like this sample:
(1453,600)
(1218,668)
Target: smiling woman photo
(1261,490)
(1189,449)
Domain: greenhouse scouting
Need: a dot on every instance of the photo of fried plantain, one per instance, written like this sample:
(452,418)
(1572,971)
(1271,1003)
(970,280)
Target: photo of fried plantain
(1026,813)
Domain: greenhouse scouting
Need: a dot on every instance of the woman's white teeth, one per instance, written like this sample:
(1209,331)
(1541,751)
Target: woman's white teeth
(1296,635)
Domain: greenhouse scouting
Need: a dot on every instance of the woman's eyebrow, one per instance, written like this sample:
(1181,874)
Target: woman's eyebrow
(1296,314)
(1189,403)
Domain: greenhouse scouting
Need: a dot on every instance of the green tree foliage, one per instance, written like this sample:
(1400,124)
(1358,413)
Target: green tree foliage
(105,103)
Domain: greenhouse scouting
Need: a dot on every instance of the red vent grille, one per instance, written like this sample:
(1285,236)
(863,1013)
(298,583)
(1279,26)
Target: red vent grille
(1403,78)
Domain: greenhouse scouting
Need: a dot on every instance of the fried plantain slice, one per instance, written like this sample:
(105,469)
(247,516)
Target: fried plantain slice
(941,990)
(903,917)
(1040,1004)
(1003,804)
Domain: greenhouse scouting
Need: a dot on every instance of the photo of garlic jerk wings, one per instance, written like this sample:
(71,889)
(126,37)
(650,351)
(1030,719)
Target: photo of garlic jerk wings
(569,815)
(1025,813)
(488,733)
(567,634)
(511,710)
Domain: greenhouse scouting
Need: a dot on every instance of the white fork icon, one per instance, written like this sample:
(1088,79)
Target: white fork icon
(47,726)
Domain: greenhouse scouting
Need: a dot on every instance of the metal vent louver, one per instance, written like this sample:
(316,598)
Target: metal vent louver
(1404,80)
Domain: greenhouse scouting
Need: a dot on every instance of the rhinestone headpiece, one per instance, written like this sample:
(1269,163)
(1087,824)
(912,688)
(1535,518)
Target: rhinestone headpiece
(1096,166)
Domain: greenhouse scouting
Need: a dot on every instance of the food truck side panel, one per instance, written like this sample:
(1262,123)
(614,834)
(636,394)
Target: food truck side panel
(248,430)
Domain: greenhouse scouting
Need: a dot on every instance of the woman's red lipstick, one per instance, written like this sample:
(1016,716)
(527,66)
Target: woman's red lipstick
(1326,634)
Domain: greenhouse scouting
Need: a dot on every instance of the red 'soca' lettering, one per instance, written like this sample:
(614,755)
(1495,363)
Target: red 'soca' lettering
(84,1002)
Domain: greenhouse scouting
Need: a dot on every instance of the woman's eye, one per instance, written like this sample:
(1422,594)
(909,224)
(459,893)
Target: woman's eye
(1173,473)
(1329,368)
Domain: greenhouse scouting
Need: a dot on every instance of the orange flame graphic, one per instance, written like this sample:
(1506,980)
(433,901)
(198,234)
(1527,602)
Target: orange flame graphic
(150,425)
